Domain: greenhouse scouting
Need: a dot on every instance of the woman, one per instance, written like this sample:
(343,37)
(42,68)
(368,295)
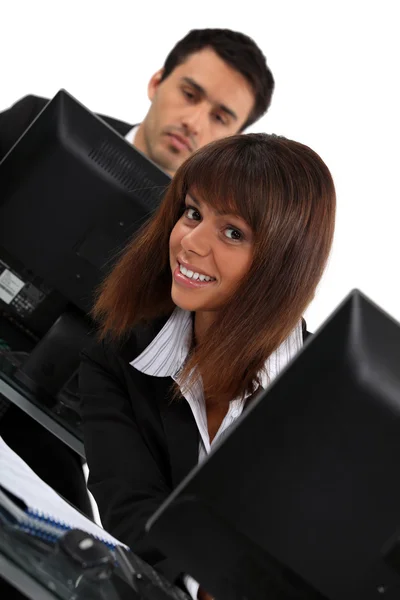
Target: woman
(202,309)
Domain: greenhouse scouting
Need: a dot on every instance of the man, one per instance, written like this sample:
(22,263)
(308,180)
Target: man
(214,83)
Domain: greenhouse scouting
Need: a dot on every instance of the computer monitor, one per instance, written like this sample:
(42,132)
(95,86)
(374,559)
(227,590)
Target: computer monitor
(73,192)
(305,489)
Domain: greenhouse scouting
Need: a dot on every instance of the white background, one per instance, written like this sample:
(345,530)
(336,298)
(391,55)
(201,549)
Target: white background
(336,66)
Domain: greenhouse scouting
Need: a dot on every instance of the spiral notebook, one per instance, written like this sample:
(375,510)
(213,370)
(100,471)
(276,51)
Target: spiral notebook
(36,507)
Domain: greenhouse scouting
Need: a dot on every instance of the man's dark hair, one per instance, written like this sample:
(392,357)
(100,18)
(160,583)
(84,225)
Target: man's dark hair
(237,50)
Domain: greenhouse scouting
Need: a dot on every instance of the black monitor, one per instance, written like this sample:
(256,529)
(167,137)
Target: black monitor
(72,193)
(305,489)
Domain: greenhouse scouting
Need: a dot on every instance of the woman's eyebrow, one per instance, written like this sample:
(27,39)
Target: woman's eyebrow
(220,212)
(193,199)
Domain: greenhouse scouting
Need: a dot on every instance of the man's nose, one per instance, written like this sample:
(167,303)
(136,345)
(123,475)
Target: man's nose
(195,119)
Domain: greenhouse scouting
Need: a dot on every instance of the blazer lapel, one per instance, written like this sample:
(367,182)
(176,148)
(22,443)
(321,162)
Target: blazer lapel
(180,431)
(180,428)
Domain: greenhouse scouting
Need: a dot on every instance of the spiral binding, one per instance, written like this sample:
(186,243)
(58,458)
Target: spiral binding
(37,532)
(51,529)
(44,518)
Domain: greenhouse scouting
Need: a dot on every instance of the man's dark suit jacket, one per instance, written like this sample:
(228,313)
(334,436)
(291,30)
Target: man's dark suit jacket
(15,120)
(139,445)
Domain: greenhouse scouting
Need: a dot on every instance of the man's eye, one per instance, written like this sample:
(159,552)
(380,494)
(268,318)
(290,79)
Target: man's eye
(192,214)
(233,234)
(220,119)
(189,95)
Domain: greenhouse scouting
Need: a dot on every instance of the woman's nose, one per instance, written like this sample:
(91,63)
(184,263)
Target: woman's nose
(197,240)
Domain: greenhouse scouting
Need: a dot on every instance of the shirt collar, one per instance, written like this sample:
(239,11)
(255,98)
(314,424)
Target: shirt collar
(166,354)
(130,136)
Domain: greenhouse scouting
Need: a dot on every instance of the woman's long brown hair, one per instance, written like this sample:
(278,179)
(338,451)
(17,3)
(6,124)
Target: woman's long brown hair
(286,194)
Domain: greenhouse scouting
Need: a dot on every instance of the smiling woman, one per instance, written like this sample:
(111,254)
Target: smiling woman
(255,213)
(203,309)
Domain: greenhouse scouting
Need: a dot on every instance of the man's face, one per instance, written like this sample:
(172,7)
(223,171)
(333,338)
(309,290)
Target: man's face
(202,100)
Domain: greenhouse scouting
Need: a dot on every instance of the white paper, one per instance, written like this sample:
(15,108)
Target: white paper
(18,478)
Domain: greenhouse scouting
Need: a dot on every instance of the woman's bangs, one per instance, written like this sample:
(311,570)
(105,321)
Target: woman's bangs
(227,190)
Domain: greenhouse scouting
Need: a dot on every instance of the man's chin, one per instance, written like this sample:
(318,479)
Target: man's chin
(164,162)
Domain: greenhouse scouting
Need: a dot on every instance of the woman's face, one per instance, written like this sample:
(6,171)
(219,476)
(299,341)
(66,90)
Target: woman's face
(209,254)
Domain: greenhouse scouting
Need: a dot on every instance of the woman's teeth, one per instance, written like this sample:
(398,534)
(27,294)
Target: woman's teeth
(194,275)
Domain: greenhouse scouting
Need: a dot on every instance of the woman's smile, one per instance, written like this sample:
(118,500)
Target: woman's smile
(191,279)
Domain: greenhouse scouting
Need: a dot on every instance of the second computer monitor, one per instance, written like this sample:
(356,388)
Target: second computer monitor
(73,192)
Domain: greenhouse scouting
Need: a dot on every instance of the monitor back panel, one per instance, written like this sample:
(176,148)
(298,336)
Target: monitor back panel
(310,475)
(73,194)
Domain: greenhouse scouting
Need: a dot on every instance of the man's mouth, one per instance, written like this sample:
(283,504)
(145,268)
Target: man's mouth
(180,142)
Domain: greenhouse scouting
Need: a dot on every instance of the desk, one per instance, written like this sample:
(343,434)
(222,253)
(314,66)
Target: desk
(37,582)
(51,414)
(23,581)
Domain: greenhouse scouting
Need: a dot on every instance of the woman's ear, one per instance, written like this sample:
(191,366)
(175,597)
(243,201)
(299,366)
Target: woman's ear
(154,83)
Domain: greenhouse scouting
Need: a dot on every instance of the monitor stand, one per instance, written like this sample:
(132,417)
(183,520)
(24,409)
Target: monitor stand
(55,359)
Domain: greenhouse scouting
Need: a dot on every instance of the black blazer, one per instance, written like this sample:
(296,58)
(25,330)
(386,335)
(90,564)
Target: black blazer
(15,120)
(139,444)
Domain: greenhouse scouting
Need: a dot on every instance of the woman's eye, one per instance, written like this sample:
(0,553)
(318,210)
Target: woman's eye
(233,234)
(192,214)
